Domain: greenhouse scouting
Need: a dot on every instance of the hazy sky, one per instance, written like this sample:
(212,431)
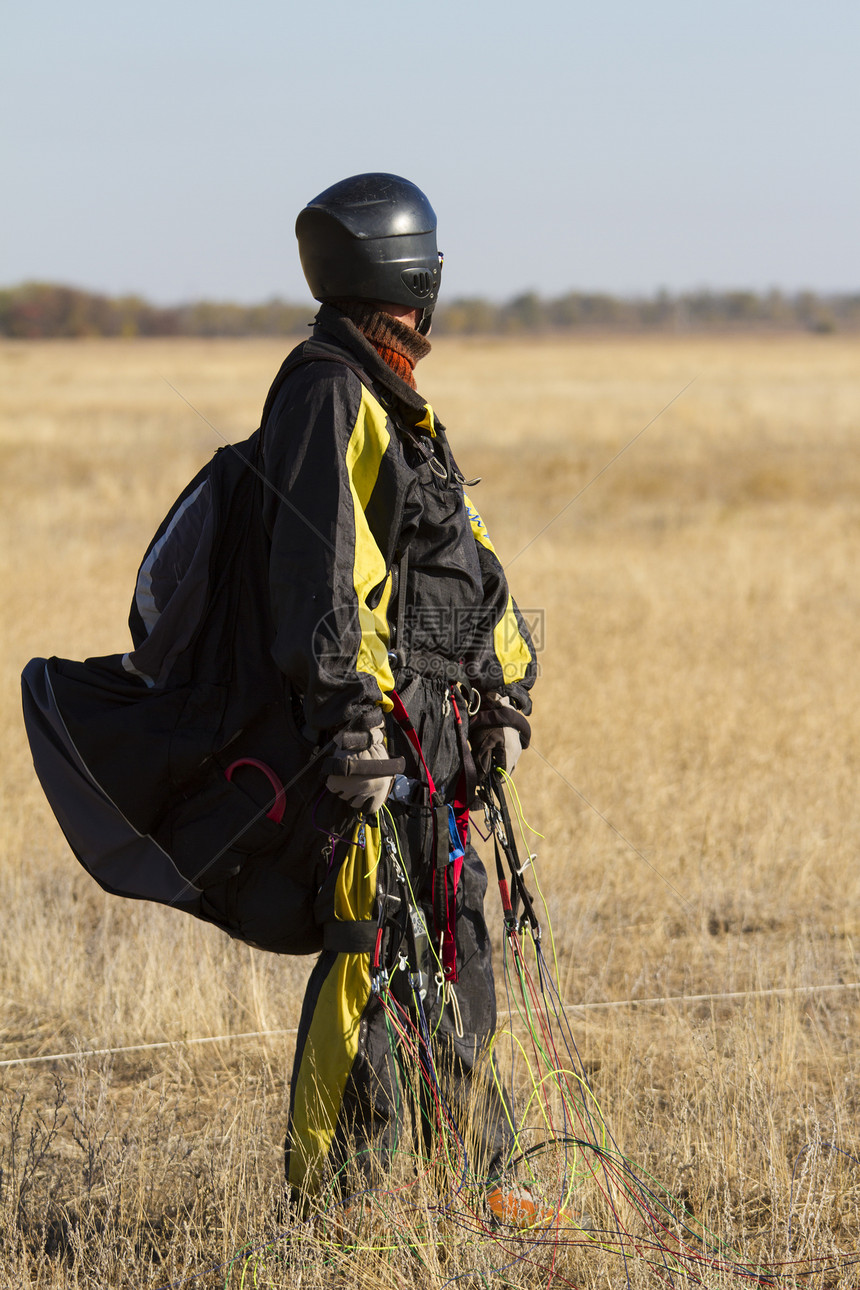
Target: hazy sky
(625,145)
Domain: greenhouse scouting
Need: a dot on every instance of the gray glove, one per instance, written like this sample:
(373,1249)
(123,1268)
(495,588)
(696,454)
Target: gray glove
(362,773)
(499,733)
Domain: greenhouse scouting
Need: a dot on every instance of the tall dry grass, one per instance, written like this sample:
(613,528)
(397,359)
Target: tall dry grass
(696,736)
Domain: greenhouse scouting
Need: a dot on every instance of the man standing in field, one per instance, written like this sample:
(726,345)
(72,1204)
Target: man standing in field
(399,643)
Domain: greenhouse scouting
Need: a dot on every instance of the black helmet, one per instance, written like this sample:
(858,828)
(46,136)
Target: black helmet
(372,237)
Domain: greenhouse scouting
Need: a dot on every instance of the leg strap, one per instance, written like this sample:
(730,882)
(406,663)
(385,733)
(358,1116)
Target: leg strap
(350,938)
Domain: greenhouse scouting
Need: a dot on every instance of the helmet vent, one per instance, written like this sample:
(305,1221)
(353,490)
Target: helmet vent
(419,282)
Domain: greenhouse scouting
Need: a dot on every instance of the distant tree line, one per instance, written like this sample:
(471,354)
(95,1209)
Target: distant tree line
(41,310)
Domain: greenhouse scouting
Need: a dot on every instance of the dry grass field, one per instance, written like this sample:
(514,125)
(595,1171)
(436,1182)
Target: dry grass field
(695,755)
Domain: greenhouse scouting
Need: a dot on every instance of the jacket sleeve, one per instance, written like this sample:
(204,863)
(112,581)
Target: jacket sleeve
(330,508)
(503,656)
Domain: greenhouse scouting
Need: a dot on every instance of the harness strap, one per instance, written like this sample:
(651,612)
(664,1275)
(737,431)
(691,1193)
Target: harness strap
(350,938)
(401,716)
(446,875)
(402,571)
(467,783)
(300,359)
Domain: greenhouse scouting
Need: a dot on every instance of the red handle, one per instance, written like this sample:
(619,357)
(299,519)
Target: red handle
(276,811)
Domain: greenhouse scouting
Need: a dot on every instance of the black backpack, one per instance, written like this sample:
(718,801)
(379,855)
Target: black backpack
(178,771)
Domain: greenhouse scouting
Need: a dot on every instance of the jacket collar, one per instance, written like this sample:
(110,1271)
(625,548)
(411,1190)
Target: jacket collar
(332,325)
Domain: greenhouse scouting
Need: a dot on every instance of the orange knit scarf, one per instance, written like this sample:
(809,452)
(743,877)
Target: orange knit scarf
(398,344)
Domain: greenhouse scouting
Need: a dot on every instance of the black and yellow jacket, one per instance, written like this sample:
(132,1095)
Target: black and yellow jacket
(359,472)
(278,560)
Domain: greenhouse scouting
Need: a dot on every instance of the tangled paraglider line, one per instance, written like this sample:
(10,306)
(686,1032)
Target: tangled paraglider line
(563,1153)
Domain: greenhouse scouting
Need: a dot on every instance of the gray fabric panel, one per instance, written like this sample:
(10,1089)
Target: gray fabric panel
(172,588)
(159,577)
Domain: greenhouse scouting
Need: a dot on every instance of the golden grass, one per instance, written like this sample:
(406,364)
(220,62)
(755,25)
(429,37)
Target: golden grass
(696,741)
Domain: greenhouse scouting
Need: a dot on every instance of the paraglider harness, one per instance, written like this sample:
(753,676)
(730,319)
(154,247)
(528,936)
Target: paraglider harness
(397,902)
(399,940)
(405,958)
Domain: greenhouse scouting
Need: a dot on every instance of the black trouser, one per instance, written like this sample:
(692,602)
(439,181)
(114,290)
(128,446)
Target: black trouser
(357,1054)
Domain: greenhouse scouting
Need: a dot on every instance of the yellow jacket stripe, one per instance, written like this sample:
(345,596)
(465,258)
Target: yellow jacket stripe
(367,446)
(509,644)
